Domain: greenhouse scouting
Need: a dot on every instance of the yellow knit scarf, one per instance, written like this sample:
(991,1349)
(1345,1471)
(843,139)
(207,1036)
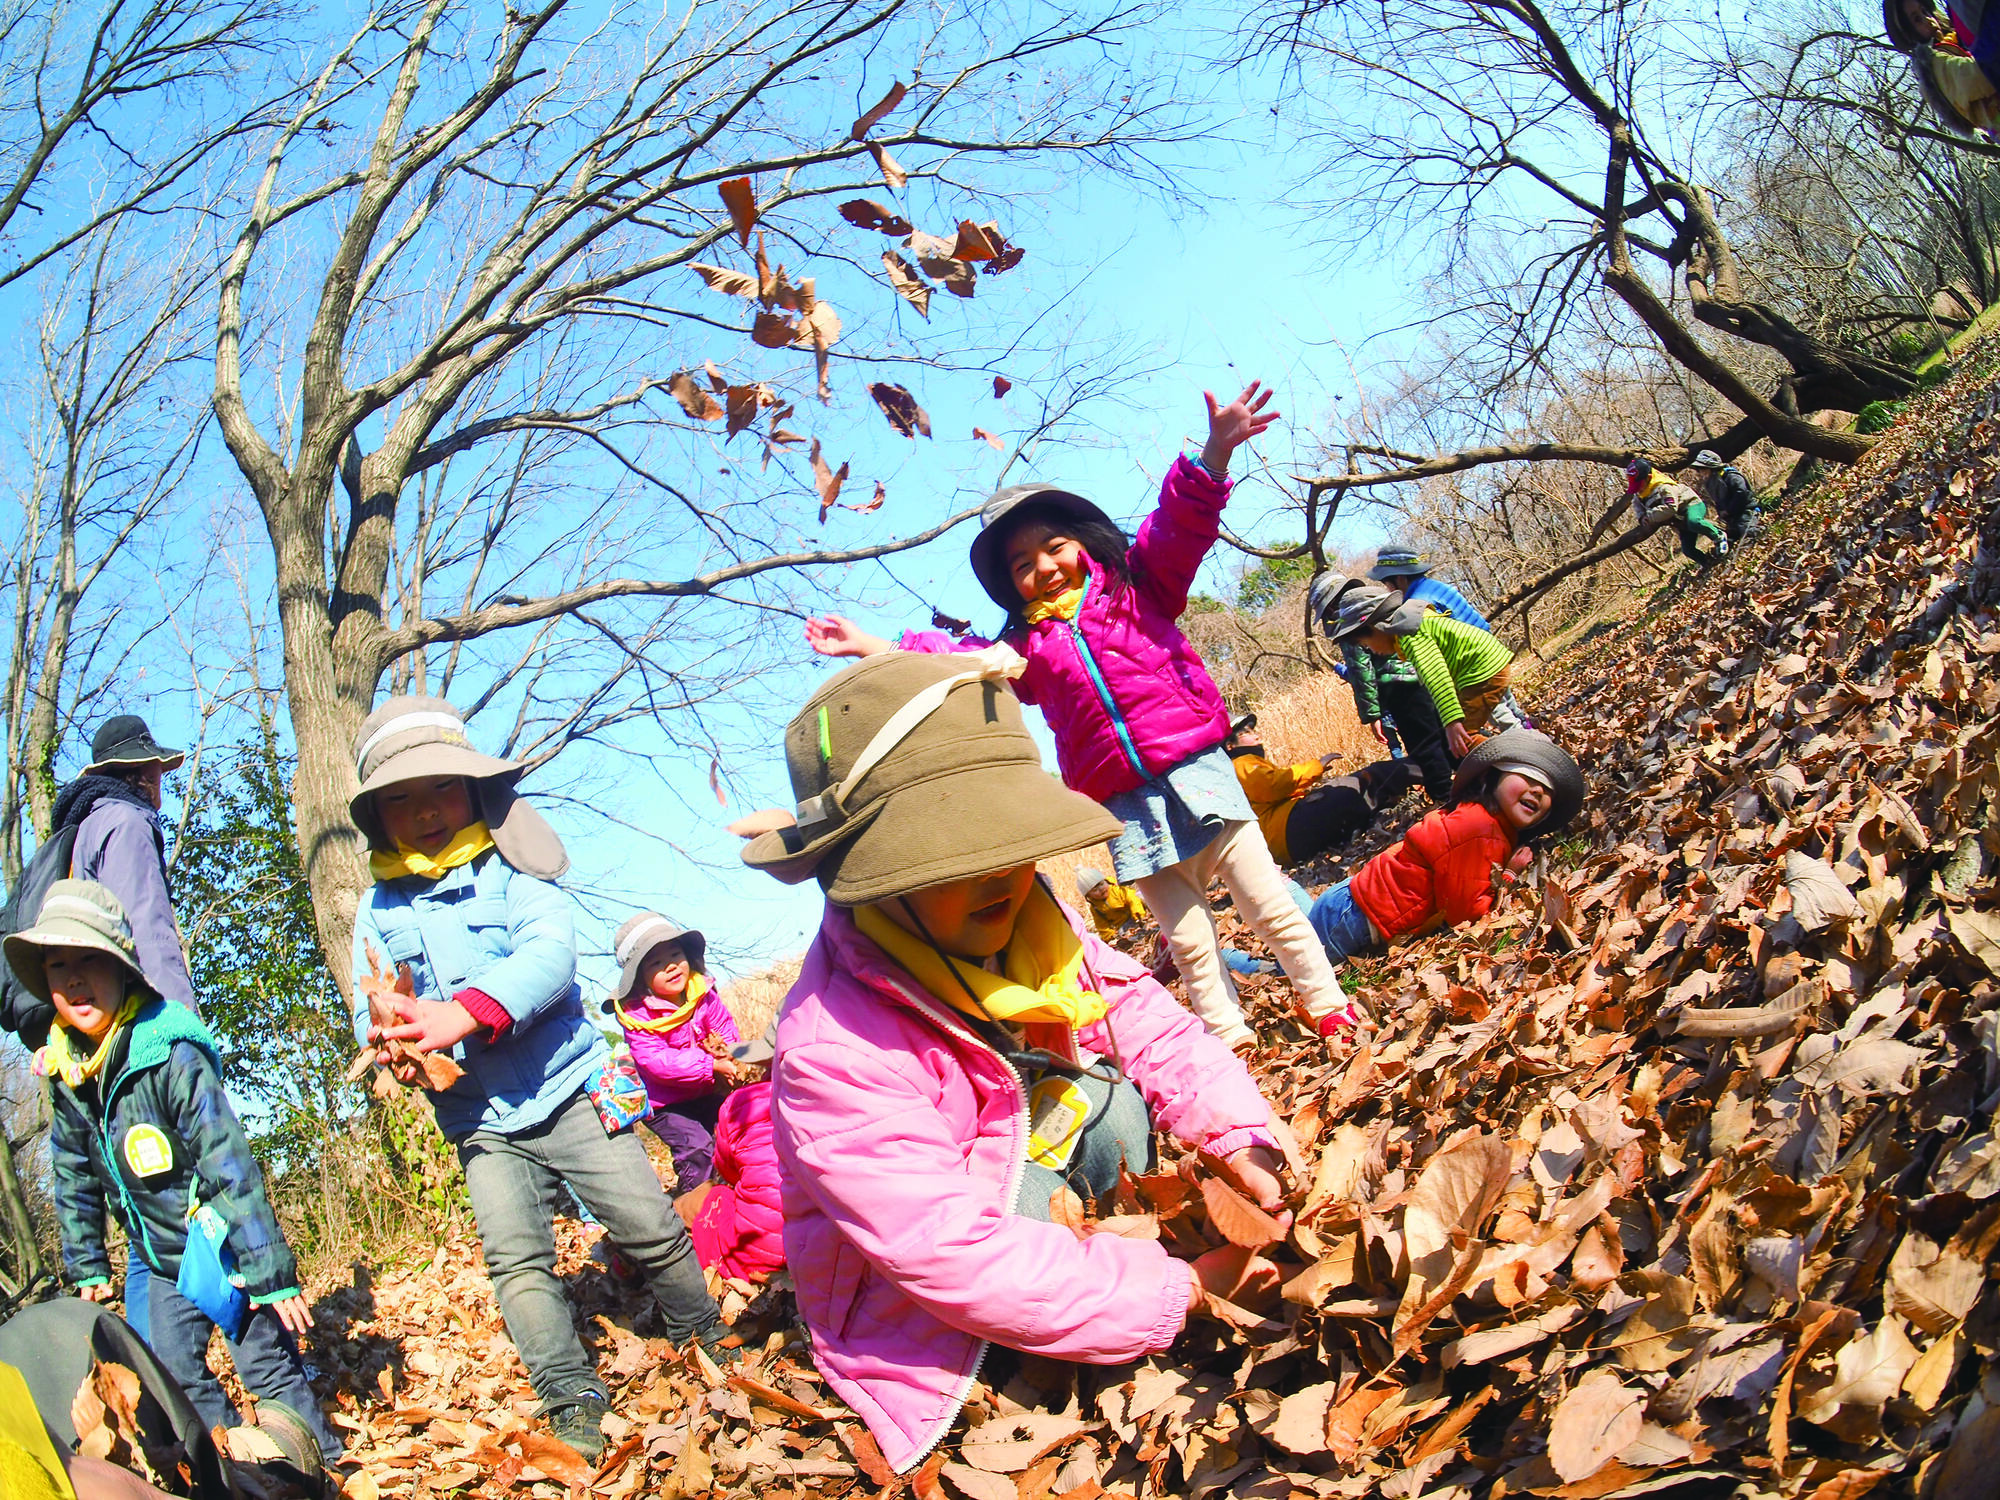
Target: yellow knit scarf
(675,1019)
(71,1066)
(1042,978)
(466,845)
(1063,607)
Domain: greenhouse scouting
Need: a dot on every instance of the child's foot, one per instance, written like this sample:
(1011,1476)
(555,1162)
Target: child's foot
(578,1421)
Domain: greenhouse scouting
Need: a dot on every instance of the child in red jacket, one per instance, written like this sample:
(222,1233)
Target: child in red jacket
(738,1223)
(1513,787)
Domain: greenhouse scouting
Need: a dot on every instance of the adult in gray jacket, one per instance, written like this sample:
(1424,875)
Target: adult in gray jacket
(119,843)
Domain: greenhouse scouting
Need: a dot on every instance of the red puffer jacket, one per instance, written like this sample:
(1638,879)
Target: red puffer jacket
(1443,868)
(740,1227)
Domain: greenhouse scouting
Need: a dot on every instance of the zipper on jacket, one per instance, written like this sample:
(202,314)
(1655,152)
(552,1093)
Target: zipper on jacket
(1118,726)
(1017,1164)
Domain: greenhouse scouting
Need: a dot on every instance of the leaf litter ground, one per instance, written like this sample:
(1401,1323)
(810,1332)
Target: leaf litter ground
(1678,1175)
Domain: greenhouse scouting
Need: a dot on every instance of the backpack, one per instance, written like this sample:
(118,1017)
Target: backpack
(22,1011)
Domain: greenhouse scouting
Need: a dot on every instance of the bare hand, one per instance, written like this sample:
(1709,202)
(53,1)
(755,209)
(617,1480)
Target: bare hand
(1460,740)
(1255,1173)
(1229,427)
(102,1292)
(836,635)
(431,1025)
(1375,728)
(293,1313)
(1521,859)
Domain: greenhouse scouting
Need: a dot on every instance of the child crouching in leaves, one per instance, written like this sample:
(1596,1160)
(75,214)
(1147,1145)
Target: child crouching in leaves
(673,1017)
(141,1124)
(464,898)
(1516,786)
(958,1049)
(738,1220)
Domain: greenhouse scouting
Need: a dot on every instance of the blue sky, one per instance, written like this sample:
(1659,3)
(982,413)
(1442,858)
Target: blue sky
(1208,291)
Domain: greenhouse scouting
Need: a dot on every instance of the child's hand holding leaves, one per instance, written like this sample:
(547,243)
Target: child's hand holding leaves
(396,1035)
(1229,427)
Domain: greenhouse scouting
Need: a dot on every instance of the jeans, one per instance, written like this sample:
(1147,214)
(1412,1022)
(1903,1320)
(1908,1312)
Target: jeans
(1118,1134)
(1178,896)
(138,1286)
(512,1180)
(1341,924)
(266,1356)
(688,1129)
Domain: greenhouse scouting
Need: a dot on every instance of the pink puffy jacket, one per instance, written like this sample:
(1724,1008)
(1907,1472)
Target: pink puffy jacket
(740,1228)
(901,1136)
(1124,692)
(675,1065)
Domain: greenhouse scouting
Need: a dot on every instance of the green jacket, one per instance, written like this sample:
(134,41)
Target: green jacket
(1365,670)
(1448,655)
(150,1132)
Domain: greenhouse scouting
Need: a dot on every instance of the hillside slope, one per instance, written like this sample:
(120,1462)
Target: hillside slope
(1675,1177)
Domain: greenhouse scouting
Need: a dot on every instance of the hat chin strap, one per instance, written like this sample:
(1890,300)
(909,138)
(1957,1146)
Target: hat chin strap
(998,663)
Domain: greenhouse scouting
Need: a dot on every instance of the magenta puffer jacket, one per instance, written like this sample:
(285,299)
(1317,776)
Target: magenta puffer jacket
(675,1065)
(740,1227)
(901,1136)
(1124,692)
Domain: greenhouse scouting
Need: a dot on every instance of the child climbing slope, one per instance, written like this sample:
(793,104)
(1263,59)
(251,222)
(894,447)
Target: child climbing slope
(464,896)
(1464,669)
(958,1050)
(1138,724)
(670,1009)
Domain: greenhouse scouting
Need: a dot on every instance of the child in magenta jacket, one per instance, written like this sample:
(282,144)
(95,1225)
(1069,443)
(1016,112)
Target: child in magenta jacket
(1515,787)
(673,1014)
(1138,724)
(958,1050)
(739,1228)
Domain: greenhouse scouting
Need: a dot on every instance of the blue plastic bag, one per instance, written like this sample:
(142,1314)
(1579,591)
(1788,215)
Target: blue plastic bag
(208,1276)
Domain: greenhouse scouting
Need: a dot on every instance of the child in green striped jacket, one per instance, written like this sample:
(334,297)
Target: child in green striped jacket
(1465,669)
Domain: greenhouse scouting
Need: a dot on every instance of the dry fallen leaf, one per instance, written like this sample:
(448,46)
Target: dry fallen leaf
(901,408)
(741,200)
(874,115)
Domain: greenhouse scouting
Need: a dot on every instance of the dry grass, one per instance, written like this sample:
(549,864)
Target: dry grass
(754,999)
(1312,716)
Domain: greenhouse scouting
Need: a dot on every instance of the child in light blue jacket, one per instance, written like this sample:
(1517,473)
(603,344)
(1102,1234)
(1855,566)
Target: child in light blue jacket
(463,900)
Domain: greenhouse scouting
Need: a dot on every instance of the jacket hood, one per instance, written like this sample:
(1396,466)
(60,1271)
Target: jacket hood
(75,801)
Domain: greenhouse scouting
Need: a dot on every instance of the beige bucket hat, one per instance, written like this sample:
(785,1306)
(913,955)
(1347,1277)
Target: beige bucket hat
(912,769)
(639,935)
(410,738)
(74,914)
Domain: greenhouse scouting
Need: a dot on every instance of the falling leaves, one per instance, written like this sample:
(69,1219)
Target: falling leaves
(740,198)
(1001,385)
(909,286)
(826,482)
(997,444)
(865,213)
(875,114)
(901,408)
(694,397)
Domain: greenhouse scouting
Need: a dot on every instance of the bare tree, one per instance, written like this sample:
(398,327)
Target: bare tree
(502,223)
(108,434)
(1566,125)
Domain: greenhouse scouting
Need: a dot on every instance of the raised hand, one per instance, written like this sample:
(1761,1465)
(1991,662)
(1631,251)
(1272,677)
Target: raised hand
(836,635)
(1229,427)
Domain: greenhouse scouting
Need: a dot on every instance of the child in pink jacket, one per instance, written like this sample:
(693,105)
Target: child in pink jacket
(959,1050)
(739,1227)
(670,1010)
(1139,726)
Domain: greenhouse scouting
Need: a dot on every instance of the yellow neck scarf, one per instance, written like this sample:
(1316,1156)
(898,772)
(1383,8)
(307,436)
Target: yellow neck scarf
(1063,607)
(1042,978)
(71,1066)
(674,1019)
(466,845)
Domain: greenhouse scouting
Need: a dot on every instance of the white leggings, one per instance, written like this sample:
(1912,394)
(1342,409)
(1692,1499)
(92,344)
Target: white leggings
(1178,896)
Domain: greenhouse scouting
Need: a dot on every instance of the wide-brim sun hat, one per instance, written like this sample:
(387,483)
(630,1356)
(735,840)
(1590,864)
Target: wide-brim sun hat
(77,914)
(1708,458)
(759,1049)
(639,935)
(122,743)
(1324,593)
(1533,754)
(416,738)
(989,563)
(912,769)
(1363,607)
(1398,562)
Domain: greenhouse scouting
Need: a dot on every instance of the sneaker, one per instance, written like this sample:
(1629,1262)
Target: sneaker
(578,1421)
(1342,1021)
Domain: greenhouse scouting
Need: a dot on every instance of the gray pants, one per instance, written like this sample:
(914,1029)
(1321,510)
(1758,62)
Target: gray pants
(512,1180)
(1118,1133)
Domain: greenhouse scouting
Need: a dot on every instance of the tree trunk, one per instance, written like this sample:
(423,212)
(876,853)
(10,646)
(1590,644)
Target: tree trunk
(17,1226)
